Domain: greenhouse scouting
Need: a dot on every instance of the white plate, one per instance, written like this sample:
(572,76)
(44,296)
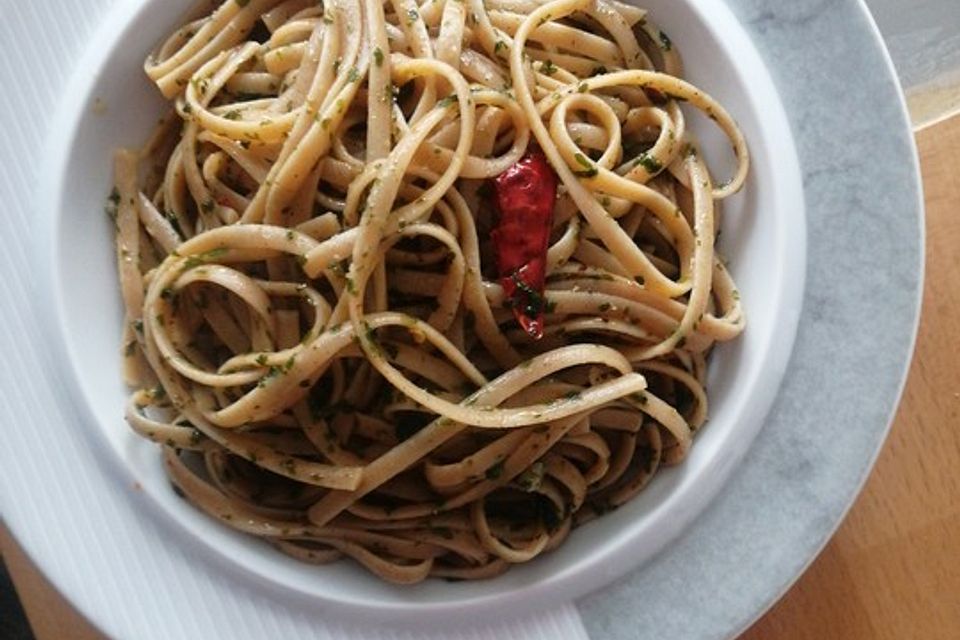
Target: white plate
(88,470)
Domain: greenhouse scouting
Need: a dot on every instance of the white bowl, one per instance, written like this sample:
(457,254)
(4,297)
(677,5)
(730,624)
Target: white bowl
(763,238)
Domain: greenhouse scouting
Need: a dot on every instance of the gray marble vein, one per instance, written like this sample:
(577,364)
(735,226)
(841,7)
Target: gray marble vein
(855,338)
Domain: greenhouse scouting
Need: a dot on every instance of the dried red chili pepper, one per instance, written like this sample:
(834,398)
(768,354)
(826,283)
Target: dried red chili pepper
(524,196)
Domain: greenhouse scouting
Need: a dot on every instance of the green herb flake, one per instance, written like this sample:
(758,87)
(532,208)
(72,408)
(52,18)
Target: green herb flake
(200,85)
(272,373)
(665,42)
(495,471)
(378,56)
(446,102)
(648,162)
(531,302)
(589,169)
(531,479)
(203,258)
(113,202)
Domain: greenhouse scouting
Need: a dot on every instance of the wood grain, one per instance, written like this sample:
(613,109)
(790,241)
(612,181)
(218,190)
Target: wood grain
(50,616)
(893,568)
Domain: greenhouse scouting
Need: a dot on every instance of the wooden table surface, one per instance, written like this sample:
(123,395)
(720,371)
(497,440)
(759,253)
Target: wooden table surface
(893,568)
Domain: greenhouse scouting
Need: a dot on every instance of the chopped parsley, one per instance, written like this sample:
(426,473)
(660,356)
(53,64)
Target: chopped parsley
(531,479)
(203,258)
(446,102)
(113,203)
(495,471)
(589,170)
(665,42)
(648,162)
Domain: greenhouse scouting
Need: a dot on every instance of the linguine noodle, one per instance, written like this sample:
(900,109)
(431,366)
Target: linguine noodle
(315,332)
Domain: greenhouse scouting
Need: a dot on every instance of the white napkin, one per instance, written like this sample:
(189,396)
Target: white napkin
(562,623)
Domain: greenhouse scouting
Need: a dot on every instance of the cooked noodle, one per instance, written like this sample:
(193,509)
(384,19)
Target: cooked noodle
(314,327)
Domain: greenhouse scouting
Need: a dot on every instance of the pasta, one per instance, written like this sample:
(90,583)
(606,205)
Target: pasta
(315,329)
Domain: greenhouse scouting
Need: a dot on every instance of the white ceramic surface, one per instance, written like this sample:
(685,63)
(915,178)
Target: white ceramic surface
(763,236)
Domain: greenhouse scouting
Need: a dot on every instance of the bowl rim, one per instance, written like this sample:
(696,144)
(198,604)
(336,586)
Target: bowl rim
(605,563)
